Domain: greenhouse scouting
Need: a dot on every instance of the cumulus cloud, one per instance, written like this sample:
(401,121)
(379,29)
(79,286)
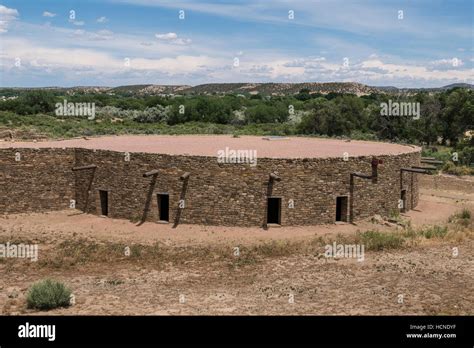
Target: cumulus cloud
(172,38)
(167,36)
(49,14)
(78,59)
(7,15)
(102,19)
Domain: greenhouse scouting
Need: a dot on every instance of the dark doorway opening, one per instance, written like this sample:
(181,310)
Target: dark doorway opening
(274,211)
(164,206)
(104,202)
(341,208)
(403,198)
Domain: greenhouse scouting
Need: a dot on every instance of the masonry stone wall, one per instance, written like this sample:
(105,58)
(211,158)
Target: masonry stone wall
(36,180)
(214,193)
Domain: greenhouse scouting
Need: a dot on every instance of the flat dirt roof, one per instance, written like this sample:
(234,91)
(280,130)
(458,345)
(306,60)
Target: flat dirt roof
(209,145)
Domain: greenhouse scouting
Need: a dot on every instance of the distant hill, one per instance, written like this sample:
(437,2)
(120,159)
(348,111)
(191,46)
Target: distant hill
(282,88)
(391,89)
(243,88)
(150,89)
(458,85)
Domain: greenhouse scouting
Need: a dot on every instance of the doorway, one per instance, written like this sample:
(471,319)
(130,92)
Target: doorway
(104,202)
(341,208)
(274,211)
(403,198)
(164,206)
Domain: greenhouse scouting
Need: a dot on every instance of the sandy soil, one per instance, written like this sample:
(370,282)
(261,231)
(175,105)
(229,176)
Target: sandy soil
(209,145)
(427,278)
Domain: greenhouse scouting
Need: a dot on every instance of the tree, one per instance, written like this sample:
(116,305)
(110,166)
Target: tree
(36,102)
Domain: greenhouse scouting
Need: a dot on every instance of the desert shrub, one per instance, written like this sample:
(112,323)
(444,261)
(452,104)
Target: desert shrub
(48,294)
(434,232)
(465,214)
(451,168)
(376,240)
(463,217)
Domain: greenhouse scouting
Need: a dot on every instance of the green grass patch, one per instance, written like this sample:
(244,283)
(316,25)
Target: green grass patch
(434,232)
(376,240)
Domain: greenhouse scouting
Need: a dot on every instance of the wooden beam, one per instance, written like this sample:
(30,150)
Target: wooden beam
(185,176)
(150,173)
(431,161)
(275,177)
(413,170)
(425,168)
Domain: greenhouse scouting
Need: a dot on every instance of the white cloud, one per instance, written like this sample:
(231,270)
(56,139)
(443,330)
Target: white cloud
(172,38)
(102,19)
(381,69)
(167,36)
(78,23)
(49,14)
(7,15)
(452,62)
(101,35)
(78,59)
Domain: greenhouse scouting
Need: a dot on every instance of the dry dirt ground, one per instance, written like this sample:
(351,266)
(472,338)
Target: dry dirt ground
(195,270)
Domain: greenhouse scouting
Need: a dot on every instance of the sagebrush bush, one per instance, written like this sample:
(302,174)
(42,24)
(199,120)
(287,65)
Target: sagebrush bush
(48,294)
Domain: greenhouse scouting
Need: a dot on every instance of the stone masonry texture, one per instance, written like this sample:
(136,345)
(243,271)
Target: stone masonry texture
(215,193)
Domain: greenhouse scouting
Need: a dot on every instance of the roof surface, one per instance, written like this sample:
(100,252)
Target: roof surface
(209,145)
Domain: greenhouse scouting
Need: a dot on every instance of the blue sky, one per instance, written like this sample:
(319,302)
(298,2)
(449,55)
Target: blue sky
(118,42)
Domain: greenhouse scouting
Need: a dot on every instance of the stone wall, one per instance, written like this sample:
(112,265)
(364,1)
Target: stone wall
(215,193)
(236,194)
(41,180)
